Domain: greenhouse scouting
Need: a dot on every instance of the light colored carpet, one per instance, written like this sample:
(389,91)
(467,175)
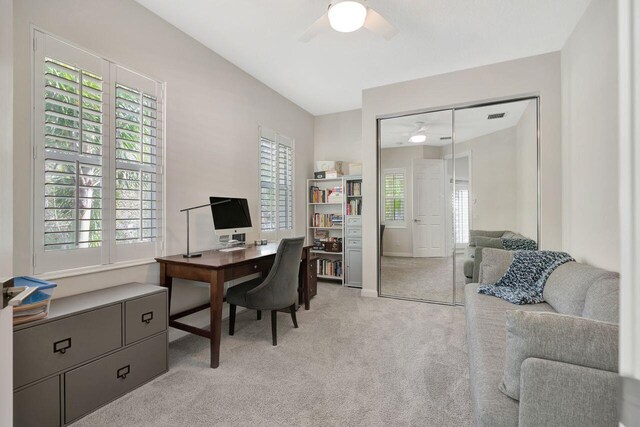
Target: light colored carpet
(354,361)
(422,278)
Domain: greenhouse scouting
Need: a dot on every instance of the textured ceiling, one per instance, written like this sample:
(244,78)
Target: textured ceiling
(329,73)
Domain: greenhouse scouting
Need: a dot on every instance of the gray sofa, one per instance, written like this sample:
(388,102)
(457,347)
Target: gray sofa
(478,240)
(569,377)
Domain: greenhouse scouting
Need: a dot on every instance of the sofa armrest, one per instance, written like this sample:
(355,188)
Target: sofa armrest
(562,394)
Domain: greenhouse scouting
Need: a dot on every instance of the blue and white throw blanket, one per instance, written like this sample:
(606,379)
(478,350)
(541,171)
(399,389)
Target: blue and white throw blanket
(525,278)
(516,243)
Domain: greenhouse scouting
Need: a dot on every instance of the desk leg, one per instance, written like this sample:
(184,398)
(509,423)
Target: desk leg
(167,282)
(304,276)
(216,289)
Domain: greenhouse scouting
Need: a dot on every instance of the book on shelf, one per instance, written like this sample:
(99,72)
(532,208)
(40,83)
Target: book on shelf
(326,220)
(354,207)
(329,267)
(354,188)
(329,195)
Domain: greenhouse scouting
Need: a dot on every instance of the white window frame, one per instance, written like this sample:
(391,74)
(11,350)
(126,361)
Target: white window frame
(63,263)
(278,139)
(394,223)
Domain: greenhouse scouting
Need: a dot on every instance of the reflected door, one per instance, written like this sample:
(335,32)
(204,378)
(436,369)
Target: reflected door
(428,208)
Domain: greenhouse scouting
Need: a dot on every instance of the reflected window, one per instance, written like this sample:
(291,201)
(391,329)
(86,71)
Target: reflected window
(394,197)
(461,212)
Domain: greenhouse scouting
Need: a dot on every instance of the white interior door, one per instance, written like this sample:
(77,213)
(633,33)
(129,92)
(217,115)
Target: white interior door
(428,208)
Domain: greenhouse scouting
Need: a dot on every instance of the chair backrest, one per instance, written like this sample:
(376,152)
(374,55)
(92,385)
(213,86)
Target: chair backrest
(280,288)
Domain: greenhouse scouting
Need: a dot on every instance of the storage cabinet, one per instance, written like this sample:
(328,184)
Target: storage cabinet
(91,349)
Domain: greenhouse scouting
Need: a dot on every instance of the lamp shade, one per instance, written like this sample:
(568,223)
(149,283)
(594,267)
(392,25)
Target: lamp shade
(347,16)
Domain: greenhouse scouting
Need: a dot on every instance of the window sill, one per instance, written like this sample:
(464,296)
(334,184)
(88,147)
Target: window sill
(94,269)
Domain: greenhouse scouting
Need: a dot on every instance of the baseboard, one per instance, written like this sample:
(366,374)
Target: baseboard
(398,254)
(369,293)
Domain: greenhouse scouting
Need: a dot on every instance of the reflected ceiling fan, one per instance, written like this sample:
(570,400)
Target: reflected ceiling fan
(347,16)
(420,132)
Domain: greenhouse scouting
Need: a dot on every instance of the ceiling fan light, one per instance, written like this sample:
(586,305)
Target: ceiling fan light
(347,16)
(418,138)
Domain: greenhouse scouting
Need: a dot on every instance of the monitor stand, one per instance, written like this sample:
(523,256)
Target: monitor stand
(236,240)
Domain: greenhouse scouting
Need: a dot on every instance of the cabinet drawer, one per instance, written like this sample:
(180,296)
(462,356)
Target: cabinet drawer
(145,317)
(38,405)
(97,383)
(354,232)
(354,242)
(51,347)
(354,221)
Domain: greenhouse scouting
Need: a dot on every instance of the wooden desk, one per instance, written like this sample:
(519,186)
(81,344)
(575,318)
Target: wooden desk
(215,268)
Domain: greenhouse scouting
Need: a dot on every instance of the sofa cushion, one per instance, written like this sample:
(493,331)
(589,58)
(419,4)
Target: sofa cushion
(489,242)
(602,301)
(486,317)
(558,337)
(566,289)
(495,263)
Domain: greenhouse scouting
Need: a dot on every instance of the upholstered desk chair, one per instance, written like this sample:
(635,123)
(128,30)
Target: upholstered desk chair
(277,291)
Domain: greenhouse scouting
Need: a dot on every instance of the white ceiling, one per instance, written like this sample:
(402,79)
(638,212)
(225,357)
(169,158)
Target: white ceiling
(470,123)
(329,73)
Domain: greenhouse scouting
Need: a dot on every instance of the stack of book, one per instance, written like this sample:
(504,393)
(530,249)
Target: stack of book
(36,305)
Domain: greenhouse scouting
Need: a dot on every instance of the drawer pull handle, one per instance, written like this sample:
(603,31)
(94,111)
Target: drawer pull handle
(123,372)
(255,267)
(62,346)
(147,317)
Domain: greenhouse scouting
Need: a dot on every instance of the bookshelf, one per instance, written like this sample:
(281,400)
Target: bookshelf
(334,213)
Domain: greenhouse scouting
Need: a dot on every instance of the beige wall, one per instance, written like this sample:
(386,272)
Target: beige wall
(6,190)
(538,75)
(213,113)
(398,241)
(527,173)
(590,138)
(493,179)
(338,136)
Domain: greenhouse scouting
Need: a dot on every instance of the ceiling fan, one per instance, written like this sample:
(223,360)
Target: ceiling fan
(346,16)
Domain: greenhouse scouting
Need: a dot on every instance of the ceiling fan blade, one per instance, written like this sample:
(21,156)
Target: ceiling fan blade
(377,24)
(315,28)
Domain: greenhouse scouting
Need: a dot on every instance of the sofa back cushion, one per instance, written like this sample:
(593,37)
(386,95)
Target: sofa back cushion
(602,300)
(495,262)
(483,233)
(567,287)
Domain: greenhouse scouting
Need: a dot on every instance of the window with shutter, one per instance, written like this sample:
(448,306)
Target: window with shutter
(394,197)
(96,158)
(461,203)
(276,184)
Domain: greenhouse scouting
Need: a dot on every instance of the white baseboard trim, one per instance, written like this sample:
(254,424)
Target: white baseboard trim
(399,254)
(369,293)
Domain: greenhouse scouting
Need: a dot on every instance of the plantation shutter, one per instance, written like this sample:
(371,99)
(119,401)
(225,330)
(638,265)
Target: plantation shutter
(276,184)
(138,137)
(461,203)
(70,140)
(268,181)
(394,193)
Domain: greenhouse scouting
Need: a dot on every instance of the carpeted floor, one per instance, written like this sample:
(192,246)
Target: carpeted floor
(422,278)
(354,361)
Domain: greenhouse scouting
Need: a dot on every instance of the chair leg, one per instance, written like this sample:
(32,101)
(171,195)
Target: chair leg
(274,327)
(259,314)
(293,315)
(232,318)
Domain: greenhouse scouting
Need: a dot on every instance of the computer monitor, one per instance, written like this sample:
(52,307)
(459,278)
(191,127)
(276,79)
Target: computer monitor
(230,215)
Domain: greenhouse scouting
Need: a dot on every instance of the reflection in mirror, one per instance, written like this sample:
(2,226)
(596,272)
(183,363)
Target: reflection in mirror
(495,193)
(416,228)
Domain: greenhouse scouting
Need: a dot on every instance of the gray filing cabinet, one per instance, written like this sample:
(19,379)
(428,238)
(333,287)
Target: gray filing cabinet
(90,350)
(353,251)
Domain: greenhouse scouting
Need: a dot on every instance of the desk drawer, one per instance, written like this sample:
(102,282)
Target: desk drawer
(51,347)
(354,232)
(145,317)
(97,383)
(256,266)
(38,405)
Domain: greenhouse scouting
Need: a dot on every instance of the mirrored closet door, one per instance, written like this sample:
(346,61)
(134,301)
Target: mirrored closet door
(451,183)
